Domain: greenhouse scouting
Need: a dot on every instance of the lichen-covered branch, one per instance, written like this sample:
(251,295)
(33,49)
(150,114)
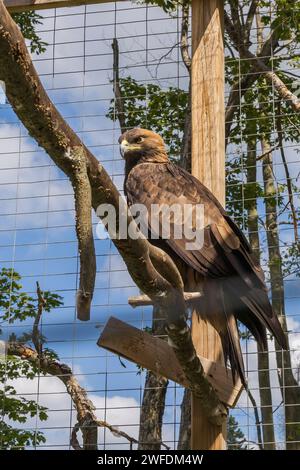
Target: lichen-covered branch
(181,341)
(84,230)
(34,108)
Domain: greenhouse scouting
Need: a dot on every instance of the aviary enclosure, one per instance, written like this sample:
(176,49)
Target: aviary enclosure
(213,78)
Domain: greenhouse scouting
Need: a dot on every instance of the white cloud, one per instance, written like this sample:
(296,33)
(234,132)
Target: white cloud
(120,411)
(294,339)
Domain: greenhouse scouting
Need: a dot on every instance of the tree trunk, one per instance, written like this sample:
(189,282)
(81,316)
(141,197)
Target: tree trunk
(184,440)
(153,405)
(289,387)
(265,395)
(262,356)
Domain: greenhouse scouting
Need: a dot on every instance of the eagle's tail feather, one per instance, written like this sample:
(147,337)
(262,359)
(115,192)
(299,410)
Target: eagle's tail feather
(252,307)
(215,307)
(258,303)
(226,301)
(231,342)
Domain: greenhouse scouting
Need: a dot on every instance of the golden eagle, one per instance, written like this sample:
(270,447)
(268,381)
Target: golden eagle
(223,268)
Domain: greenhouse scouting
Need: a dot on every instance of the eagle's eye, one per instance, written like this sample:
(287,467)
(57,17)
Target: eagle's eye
(139,140)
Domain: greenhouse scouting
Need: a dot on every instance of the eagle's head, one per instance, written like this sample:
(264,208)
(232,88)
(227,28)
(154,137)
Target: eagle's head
(141,146)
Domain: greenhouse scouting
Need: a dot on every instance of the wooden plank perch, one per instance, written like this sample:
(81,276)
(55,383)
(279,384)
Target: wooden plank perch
(144,300)
(156,355)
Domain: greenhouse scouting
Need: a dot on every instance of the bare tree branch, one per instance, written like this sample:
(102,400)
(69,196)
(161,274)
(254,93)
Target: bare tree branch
(119,103)
(257,420)
(282,90)
(35,330)
(235,17)
(287,172)
(116,432)
(249,20)
(265,154)
(32,105)
(184,41)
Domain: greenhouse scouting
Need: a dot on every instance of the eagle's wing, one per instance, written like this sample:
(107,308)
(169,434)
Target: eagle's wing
(225,249)
(225,255)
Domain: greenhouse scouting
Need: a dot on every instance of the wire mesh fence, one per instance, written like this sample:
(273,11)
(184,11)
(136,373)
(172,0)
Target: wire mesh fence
(79,69)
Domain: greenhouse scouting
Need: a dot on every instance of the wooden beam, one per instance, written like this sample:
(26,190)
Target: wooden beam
(208,165)
(156,355)
(17,6)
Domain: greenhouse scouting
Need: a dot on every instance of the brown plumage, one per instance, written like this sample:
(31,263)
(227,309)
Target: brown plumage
(224,269)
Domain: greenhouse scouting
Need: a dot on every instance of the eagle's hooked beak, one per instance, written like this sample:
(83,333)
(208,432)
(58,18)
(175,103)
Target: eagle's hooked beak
(126,147)
(123,147)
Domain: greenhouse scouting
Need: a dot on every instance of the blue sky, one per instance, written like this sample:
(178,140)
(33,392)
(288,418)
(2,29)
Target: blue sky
(37,234)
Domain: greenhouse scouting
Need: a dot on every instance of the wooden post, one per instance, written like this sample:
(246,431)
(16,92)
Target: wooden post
(208,165)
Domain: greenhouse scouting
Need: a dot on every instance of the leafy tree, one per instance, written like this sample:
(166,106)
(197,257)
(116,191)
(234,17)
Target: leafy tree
(235,436)
(17,409)
(17,306)
(28,21)
(168,6)
(265,115)
(149,106)
(28,357)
